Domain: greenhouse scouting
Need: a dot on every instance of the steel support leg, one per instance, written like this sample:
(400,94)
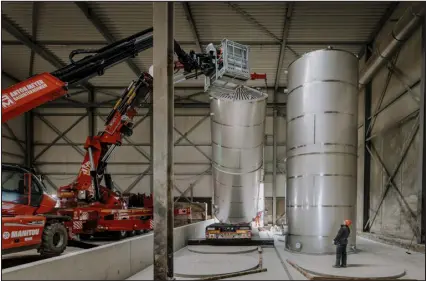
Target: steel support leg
(421,202)
(151,148)
(274,163)
(163,112)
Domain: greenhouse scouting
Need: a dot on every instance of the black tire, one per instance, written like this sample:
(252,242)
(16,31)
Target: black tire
(120,235)
(85,236)
(54,240)
(138,232)
(131,233)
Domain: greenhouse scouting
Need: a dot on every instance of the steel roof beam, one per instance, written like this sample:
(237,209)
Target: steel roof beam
(251,19)
(190,19)
(101,27)
(379,26)
(147,105)
(35,20)
(190,43)
(10,76)
(28,41)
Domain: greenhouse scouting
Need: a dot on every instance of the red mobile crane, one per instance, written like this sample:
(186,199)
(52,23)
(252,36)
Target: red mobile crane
(29,217)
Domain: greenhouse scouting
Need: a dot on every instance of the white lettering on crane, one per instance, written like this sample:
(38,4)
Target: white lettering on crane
(23,91)
(85,168)
(24,233)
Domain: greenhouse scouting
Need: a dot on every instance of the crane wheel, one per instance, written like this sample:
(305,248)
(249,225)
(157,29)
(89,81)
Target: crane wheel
(54,240)
(85,236)
(119,234)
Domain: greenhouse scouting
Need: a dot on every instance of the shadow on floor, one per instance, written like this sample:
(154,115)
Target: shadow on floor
(18,260)
(360,265)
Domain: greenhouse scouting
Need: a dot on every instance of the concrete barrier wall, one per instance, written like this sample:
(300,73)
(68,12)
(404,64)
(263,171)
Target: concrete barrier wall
(115,261)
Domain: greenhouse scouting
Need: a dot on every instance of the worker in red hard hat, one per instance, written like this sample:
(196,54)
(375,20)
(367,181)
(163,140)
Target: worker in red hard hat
(341,241)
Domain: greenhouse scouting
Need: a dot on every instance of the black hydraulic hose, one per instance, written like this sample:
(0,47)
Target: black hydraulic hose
(104,58)
(112,54)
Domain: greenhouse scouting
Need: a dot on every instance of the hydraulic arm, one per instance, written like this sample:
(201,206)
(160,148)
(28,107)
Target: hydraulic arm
(99,148)
(45,87)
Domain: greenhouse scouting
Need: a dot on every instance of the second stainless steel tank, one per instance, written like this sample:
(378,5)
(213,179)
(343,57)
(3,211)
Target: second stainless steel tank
(321,149)
(238,128)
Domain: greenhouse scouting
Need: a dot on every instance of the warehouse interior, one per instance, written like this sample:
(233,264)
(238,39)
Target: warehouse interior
(389,215)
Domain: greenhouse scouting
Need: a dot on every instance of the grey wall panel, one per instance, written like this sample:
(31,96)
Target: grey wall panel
(13,153)
(390,139)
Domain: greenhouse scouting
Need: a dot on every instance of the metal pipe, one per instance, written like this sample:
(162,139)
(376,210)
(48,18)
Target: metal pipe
(274,163)
(403,29)
(108,153)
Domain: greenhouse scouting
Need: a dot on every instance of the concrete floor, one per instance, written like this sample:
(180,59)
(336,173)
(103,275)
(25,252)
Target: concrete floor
(373,260)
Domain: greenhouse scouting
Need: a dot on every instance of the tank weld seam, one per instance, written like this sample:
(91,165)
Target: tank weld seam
(216,166)
(319,153)
(221,183)
(323,112)
(225,99)
(322,81)
(321,175)
(321,143)
(238,148)
(241,126)
(319,206)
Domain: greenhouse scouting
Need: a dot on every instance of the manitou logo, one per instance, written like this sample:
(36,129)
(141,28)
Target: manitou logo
(6,235)
(85,168)
(6,101)
(24,233)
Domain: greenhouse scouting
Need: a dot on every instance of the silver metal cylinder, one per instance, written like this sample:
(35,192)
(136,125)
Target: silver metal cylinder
(321,149)
(238,128)
(410,21)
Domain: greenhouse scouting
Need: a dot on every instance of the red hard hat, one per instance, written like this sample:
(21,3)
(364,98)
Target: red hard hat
(348,222)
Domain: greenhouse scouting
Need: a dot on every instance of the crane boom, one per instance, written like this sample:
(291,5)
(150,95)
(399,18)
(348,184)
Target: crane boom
(45,87)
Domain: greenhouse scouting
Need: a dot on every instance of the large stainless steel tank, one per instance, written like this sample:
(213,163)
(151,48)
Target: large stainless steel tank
(238,128)
(321,149)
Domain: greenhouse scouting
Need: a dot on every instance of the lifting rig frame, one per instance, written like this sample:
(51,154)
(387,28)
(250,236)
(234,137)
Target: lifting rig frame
(86,207)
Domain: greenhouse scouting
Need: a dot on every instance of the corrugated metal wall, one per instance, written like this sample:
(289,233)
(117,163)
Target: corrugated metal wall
(391,133)
(12,134)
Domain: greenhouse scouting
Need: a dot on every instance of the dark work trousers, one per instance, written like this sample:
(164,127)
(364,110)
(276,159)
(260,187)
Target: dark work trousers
(341,255)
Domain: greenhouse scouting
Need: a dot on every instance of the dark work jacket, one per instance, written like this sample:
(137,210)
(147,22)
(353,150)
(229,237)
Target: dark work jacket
(342,236)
